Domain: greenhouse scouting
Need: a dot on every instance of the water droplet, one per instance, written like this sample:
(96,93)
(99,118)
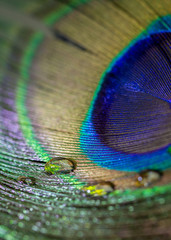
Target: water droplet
(131,208)
(161,200)
(100,189)
(35,228)
(21,224)
(148,177)
(27,180)
(20,216)
(60,165)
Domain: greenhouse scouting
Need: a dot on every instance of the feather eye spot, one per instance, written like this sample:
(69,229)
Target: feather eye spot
(128,122)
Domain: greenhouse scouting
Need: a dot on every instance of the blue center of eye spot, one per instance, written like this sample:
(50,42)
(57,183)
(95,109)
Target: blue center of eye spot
(128,125)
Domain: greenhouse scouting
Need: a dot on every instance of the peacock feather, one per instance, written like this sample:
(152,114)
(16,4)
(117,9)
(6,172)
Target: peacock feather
(85,110)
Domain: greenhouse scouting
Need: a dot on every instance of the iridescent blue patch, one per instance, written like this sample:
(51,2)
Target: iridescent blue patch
(128,124)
